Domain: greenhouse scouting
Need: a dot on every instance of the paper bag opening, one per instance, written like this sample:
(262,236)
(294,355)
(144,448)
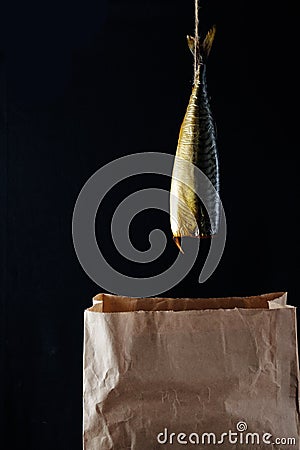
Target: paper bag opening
(114,303)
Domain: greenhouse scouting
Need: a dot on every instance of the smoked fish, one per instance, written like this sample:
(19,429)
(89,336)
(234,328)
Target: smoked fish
(197,144)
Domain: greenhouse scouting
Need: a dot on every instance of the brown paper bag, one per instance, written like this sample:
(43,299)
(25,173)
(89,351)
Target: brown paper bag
(165,373)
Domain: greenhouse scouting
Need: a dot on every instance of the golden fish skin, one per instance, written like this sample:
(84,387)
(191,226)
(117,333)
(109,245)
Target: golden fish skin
(197,145)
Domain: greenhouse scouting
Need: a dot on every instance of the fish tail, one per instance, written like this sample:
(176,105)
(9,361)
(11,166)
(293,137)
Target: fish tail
(202,48)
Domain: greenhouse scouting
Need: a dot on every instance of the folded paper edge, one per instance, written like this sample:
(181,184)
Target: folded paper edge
(278,301)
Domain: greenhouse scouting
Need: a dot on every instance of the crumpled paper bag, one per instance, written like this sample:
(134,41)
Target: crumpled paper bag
(163,373)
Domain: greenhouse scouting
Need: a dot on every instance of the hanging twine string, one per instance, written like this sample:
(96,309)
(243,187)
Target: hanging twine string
(196,53)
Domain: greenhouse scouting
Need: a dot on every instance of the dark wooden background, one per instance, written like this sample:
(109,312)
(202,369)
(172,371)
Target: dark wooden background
(84,83)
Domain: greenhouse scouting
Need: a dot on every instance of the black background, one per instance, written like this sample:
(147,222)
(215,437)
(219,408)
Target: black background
(84,83)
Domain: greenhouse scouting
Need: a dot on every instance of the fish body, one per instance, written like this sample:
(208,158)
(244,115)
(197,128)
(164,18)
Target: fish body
(197,145)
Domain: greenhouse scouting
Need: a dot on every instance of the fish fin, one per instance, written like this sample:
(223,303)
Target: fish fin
(191,43)
(208,41)
(177,241)
(205,46)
